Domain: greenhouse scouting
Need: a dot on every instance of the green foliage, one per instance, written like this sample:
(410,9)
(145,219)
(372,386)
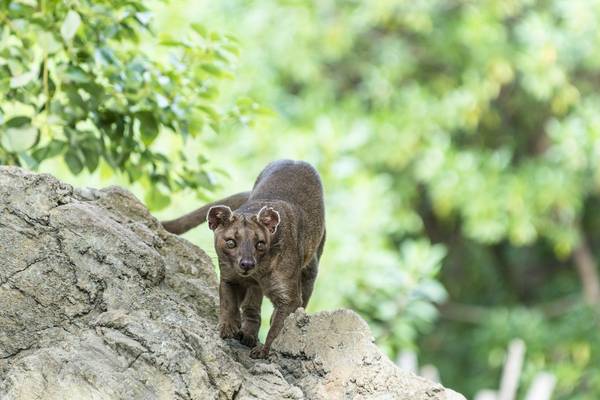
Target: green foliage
(469,125)
(77,82)
(397,312)
(564,346)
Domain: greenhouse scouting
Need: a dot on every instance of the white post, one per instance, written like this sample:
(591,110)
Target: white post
(430,372)
(407,360)
(512,370)
(542,387)
(486,394)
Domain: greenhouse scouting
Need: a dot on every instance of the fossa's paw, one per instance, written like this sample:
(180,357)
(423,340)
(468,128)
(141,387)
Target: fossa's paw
(248,340)
(228,330)
(259,352)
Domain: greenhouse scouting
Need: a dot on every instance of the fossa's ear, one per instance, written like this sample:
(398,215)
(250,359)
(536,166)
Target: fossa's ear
(218,215)
(269,217)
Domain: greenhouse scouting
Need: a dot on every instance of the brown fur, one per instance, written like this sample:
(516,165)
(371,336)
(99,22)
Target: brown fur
(270,245)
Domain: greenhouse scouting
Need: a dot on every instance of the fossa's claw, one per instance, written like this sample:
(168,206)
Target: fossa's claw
(259,352)
(228,331)
(248,340)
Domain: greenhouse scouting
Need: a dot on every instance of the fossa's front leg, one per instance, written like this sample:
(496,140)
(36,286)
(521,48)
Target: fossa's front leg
(286,299)
(229,310)
(251,315)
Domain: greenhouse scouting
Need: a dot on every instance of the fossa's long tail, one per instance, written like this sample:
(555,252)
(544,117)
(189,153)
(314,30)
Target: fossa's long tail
(185,223)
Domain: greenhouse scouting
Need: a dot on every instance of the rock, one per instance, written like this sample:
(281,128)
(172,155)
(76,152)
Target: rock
(97,301)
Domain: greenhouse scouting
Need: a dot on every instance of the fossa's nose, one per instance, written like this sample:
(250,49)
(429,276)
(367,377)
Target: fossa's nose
(247,264)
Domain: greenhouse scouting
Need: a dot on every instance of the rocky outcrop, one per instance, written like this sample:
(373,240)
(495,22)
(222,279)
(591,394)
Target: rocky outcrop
(97,301)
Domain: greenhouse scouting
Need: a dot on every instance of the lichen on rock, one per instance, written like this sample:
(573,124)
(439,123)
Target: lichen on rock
(97,301)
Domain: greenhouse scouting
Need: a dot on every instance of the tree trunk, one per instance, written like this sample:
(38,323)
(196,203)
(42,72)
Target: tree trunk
(588,271)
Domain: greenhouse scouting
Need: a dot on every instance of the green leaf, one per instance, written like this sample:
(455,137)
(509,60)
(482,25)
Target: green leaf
(203,179)
(30,3)
(73,162)
(106,55)
(70,25)
(91,154)
(21,138)
(76,74)
(144,17)
(48,42)
(195,124)
(27,159)
(22,79)
(74,96)
(134,172)
(148,127)
(214,115)
(156,200)
(54,148)
(212,69)
(17,122)
(200,29)
(169,41)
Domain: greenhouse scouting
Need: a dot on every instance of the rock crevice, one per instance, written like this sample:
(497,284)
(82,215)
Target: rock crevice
(98,301)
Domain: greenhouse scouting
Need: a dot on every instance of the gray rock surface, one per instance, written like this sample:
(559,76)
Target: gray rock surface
(97,301)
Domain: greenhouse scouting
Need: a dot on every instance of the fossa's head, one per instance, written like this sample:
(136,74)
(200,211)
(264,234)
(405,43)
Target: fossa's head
(242,240)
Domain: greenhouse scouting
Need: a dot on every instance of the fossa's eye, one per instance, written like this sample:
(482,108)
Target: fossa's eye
(230,243)
(261,246)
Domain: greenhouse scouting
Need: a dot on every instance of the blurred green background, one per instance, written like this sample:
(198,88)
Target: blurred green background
(458,142)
